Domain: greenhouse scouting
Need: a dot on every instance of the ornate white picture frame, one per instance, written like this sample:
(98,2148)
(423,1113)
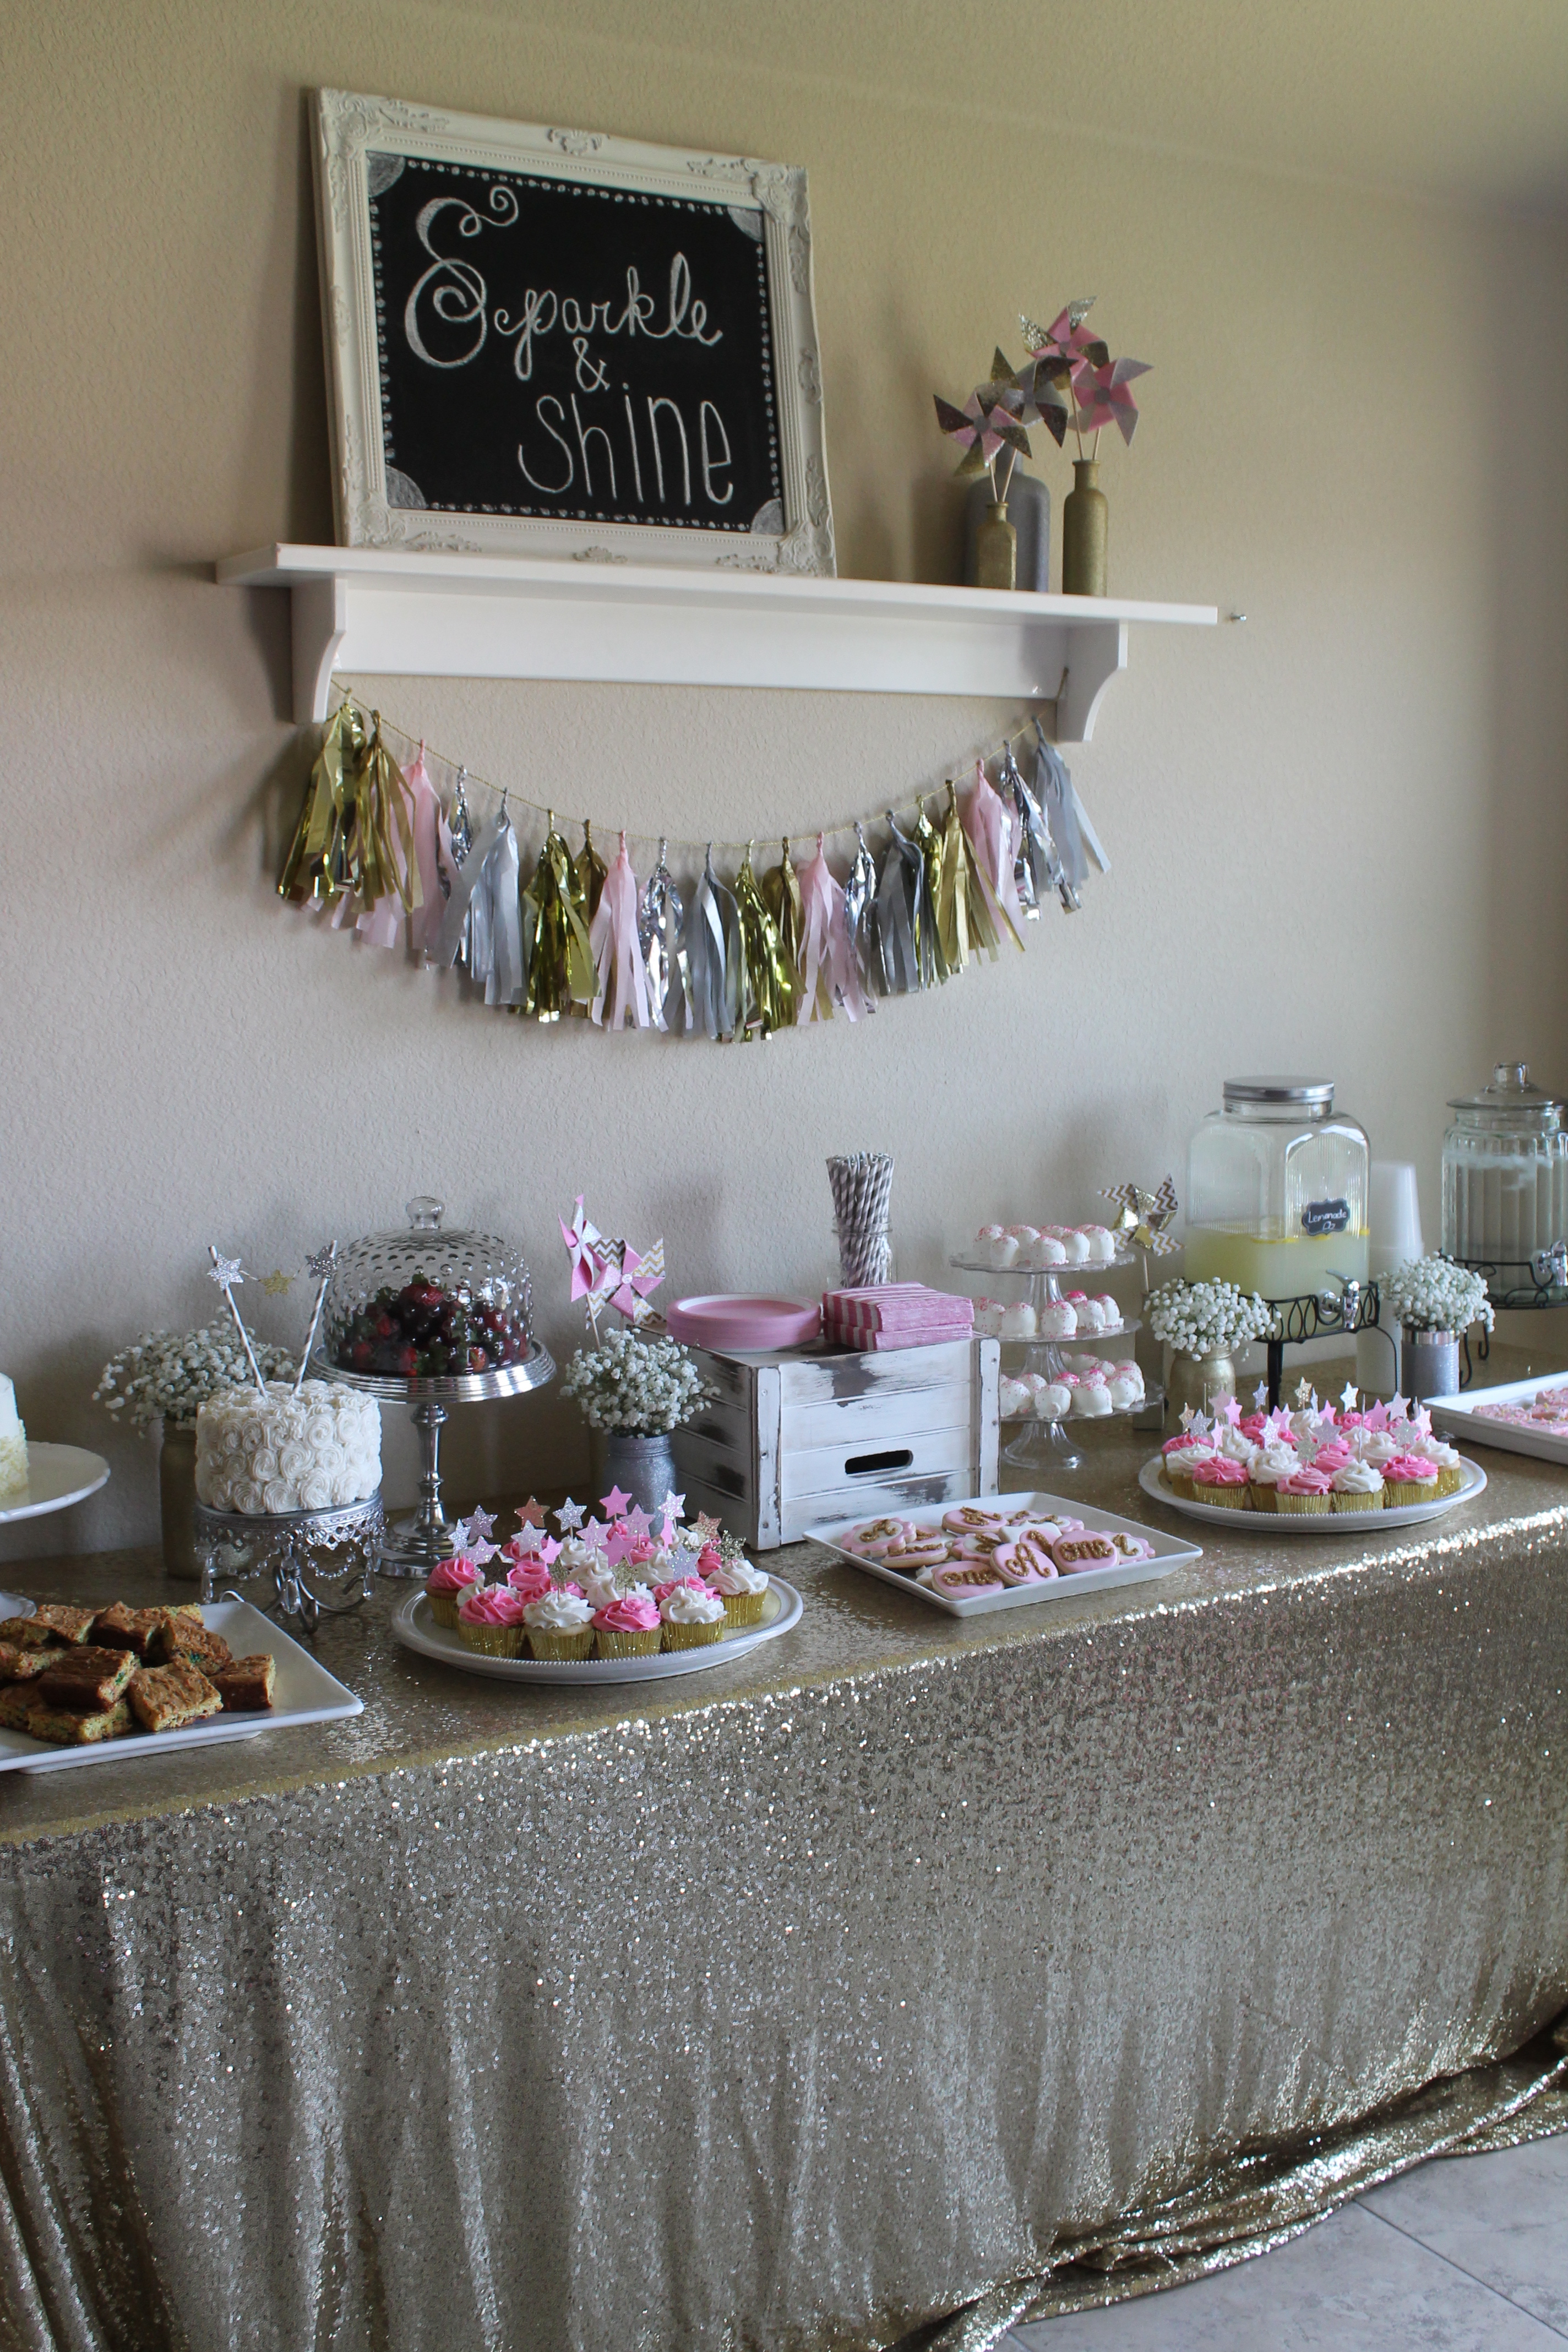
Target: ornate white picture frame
(746,472)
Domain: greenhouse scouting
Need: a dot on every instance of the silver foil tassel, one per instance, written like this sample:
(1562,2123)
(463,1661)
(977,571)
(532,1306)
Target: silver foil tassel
(1031,865)
(460,824)
(1075,838)
(715,956)
(463,941)
(901,913)
(661,913)
(860,919)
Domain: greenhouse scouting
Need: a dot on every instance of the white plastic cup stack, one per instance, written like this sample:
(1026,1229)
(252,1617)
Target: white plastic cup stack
(1393,1227)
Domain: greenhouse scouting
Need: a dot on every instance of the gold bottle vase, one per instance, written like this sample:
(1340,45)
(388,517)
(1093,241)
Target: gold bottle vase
(1085,519)
(1201,1381)
(996,548)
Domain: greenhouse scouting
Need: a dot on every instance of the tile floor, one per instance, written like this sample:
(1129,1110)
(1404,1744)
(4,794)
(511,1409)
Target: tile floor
(1467,2253)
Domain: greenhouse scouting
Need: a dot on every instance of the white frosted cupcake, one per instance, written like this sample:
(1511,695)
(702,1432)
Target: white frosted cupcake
(741,1587)
(1357,1487)
(574,1560)
(559,1625)
(1268,1466)
(691,1616)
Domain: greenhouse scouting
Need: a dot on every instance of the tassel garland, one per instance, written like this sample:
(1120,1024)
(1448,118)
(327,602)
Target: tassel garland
(383,849)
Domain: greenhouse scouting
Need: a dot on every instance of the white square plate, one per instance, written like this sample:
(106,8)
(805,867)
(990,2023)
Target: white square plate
(1170,1552)
(1457,1417)
(304,1691)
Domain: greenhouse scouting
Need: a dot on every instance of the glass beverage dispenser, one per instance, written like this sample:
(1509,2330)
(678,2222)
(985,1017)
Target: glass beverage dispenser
(1277,1191)
(1505,1186)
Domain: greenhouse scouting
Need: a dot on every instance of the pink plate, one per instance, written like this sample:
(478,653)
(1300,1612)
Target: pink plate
(720,1322)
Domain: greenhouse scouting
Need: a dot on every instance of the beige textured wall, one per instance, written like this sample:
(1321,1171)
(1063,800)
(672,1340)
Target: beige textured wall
(1337,831)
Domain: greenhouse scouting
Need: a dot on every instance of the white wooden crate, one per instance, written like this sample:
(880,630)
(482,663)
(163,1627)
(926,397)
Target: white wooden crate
(805,1435)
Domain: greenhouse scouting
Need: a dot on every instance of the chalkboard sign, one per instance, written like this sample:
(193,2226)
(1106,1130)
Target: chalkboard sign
(548,341)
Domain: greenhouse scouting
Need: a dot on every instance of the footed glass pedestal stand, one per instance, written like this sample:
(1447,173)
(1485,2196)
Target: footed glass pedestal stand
(1047,1445)
(414,1545)
(285,1542)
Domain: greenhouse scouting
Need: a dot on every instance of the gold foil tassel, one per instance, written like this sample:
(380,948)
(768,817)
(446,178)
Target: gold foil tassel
(555,951)
(781,896)
(928,939)
(964,919)
(770,982)
(383,859)
(314,866)
(590,873)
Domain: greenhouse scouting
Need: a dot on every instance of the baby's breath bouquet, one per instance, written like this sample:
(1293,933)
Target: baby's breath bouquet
(1207,1318)
(638,1387)
(166,1377)
(1432,1294)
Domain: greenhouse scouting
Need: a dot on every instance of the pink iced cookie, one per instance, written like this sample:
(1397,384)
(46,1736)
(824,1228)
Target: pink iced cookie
(1026,1561)
(910,1558)
(970,1518)
(1072,1553)
(961,1579)
(876,1536)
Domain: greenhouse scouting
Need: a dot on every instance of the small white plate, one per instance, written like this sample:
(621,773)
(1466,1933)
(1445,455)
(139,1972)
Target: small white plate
(304,1691)
(1170,1552)
(1313,1522)
(1456,1417)
(56,1475)
(417,1630)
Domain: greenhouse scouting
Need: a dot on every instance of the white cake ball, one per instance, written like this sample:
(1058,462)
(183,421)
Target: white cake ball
(1101,1244)
(1018,1322)
(1057,1320)
(988,1317)
(1014,1401)
(1091,1400)
(1075,1249)
(1004,1250)
(1053,1401)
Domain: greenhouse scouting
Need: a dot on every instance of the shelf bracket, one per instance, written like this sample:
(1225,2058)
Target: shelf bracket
(320,623)
(1095,655)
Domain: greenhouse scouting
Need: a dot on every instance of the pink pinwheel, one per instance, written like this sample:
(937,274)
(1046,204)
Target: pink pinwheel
(1103,397)
(988,421)
(580,1236)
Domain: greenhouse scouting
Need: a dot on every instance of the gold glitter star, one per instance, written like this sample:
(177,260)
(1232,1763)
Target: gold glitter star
(278,1282)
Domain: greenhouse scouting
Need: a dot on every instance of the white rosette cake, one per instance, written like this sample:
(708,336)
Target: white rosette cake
(263,1455)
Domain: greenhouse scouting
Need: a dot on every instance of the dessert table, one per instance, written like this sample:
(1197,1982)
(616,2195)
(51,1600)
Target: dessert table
(794,2003)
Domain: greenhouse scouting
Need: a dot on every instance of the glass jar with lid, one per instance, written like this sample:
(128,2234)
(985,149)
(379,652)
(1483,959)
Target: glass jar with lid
(1505,1182)
(1277,1191)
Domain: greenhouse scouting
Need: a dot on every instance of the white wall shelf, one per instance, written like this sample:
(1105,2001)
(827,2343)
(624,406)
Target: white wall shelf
(380,612)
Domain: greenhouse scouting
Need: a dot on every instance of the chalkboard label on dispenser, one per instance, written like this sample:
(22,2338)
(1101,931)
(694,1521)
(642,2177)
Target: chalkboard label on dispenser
(547,341)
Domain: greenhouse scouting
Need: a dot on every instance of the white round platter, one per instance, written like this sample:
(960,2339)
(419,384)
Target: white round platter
(414,1626)
(56,1475)
(1314,1523)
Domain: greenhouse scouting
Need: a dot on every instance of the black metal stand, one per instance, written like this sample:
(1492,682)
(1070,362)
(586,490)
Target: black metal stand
(1324,1315)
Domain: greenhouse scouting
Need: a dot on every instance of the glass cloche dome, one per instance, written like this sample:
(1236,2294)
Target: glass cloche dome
(428,1304)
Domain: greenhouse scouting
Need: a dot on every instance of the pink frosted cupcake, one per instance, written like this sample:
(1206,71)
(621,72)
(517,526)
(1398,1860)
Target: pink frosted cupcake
(1224,1482)
(531,1579)
(1305,1490)
(628,1627)
(447,1582)
(493,1620)
(1409,1478)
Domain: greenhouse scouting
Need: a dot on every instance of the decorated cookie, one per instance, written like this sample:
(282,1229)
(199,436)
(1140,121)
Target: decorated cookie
(971,1519)
(1027,1559)
(961,1579)
(877,1536)
(1074,1553)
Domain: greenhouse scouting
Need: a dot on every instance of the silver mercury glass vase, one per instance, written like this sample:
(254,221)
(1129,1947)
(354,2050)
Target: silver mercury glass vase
(642,1467)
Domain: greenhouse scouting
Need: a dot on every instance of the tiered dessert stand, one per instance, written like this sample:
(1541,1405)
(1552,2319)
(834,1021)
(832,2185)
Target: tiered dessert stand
(1047,1444)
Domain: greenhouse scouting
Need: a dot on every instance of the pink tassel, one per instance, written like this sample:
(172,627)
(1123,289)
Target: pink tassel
(623,977)
(828,972)
(990,827)
(432,846)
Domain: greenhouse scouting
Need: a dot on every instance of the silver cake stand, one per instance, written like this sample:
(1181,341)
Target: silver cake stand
(414,1545)
(236,1543)
(1046,1445)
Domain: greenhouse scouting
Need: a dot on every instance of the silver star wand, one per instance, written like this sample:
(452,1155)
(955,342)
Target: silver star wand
(227,1273)
(321,1265)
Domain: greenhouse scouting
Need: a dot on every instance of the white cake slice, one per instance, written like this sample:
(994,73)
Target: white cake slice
(12,1441)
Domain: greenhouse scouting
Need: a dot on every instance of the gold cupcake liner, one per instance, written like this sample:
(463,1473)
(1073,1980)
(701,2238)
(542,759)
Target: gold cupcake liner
(1405,1491)
(444,1608)
(561,1645)
(744,1608)
(626,1645)
(1358,1502)
(495,1641)
(1263,1497)
(695,1637)
(1449,1480)
(1300,1503)
(1182,1486)
(1224,1499)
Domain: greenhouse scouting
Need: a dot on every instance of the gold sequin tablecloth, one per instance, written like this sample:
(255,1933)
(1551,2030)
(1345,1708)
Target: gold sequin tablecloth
(790,2004)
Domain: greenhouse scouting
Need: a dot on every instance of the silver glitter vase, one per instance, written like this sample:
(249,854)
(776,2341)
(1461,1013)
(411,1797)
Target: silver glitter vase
(642,1467)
